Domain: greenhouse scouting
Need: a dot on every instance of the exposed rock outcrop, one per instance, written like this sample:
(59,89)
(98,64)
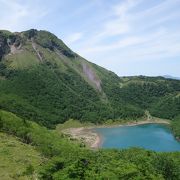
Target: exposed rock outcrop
(92,77)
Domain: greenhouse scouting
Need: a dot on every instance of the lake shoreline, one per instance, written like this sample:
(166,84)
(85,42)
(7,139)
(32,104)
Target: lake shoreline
(94,140)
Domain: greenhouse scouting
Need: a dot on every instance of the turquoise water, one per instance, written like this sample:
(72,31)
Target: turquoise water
(149,136)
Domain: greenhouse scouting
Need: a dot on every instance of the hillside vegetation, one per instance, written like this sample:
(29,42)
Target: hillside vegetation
(64,159)
(43,80)
(18,160)
(175,125)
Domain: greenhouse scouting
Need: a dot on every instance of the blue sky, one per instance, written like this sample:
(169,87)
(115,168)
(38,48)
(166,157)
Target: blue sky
(129,37)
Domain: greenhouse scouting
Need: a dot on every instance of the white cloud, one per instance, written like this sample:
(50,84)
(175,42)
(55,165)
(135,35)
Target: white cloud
(119,44)
(119,23)
(138,35)
(116,24)
(125,42)
(122,8)
(17,16)
(160,8)
(115,27)
(73,38)
(144,48)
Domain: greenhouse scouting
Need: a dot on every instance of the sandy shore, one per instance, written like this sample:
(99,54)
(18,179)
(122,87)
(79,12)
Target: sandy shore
(145,122)
(93,140)
(86,135)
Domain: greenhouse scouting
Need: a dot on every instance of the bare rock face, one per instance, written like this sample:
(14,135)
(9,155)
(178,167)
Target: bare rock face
(93,78)
(9,43)
(39,54)
(15,44)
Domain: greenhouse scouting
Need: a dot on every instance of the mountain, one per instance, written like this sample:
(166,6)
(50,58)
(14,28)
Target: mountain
(171,77)
(43,80)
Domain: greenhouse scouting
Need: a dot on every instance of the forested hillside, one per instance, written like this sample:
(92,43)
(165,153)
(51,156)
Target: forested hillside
(42,80)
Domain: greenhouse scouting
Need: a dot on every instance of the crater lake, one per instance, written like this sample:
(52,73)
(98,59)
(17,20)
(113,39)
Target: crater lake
(157,137)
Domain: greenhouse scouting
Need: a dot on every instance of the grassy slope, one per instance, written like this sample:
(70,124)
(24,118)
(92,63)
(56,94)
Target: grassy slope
(17,158)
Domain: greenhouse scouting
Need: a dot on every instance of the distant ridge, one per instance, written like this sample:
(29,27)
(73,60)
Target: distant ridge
(171,77)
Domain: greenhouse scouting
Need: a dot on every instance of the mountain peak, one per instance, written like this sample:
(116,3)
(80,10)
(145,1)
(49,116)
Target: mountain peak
(22,50)
(42,38)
